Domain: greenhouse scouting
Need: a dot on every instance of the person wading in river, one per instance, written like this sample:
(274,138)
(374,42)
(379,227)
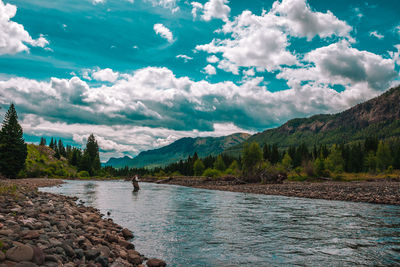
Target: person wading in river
(135,183)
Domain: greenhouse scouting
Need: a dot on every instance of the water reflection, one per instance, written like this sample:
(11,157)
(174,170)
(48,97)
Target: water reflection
(194,227)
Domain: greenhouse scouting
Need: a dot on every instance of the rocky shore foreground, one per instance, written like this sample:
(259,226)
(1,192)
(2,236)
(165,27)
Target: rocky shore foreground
(43,229)
(379,191)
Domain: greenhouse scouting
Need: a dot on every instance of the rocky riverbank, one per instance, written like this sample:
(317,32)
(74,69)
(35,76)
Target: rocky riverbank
(379,191)
(42,229)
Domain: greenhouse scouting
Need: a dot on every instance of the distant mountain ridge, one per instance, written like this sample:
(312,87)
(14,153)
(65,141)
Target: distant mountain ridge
(378,117)
(178,150)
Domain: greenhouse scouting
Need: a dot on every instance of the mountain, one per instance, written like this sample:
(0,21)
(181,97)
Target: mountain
(180,149)
(378,117)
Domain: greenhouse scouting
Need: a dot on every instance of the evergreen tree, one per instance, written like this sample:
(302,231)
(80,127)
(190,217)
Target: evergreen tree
(275,157)
(42,141)
(61,148)
(267,152)
(91,159)
(219,164)
(383,156)
(13,150)
(198,167)
(370,161)
(51,145)
(334,162)
(251,157)
(287,162)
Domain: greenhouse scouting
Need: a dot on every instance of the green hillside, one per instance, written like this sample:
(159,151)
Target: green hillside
(378,117)
(41,162)
(180,150)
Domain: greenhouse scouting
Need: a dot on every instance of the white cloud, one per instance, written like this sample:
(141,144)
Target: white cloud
(196,7)
(169,4)
(164,32)
(105,75)
(95,2)
(212,59)
(118,140)
(217,9)
(13,37)
(396,55)
(210,70)
(262,41)
(249,72)
(184,57)
(300,20)
(376,34)
(398,29)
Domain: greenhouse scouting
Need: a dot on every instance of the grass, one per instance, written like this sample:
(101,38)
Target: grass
(6,189)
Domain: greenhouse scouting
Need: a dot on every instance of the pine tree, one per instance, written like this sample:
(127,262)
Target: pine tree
(251,157)
(51,145)
(198,167)
(219,164)
(42,141)
(91,159)
(334,162)
(287,162)
(383,156)
(61,148)
(13,150)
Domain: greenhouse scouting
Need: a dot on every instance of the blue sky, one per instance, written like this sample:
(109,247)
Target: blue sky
(140,74)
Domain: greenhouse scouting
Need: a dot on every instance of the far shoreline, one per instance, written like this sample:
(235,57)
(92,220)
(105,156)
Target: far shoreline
(378,191)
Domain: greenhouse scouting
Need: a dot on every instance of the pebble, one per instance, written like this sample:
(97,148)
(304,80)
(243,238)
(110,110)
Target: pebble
(52,230)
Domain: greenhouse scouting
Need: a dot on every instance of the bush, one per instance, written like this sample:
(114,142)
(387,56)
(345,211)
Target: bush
(213,173)
(83,174)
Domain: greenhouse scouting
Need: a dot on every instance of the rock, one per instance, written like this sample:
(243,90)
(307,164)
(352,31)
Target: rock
(38,255)
(20,253)
(33,234)
(126,244)
(68,250)
(6,232)
(127,233)
(120,263)
(155,263)
(92,254)
(134,257)
(79,253)
(52,258)
(26,264)
(104,251)
(112,238)
(2,256)
(103,261)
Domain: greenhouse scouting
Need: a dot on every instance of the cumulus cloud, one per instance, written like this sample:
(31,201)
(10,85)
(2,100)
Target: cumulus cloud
(262,41)
(339,63)
(164,32)
(212,59)
(184,57)
(376,35)
(210,70)
(213,9)
(105,75)
(13,37)
(298,18)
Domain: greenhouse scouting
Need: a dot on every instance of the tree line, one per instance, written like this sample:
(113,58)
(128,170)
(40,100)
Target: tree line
(13,149)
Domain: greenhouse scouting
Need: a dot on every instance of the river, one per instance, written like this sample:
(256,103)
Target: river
(197,227)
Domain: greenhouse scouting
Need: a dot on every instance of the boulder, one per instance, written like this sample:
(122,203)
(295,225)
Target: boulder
(134,257)
(26,264)
(20,253)
(127,234)
(38,255)
(155,263)
(2,256)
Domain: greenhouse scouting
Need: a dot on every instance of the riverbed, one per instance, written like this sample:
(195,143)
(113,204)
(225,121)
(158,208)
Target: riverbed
(198,227)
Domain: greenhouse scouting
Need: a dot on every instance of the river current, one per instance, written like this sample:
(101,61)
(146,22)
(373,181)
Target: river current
(196,227)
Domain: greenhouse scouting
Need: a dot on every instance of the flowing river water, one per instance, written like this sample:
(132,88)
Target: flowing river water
(197,227)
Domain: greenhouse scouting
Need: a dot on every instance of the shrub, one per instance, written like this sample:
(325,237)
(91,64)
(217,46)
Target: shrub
(83,174)
(213,173)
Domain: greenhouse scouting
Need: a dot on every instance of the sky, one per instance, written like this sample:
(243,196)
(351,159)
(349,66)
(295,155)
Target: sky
(140,74)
